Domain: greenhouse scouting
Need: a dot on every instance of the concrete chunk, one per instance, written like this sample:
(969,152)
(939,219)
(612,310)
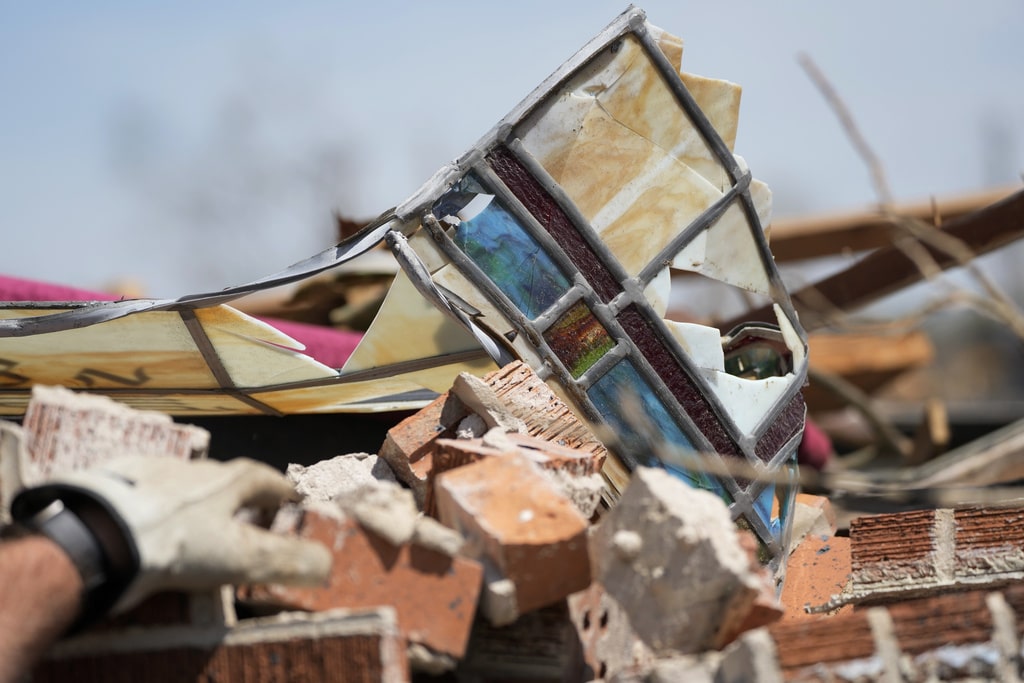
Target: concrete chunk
(670,555)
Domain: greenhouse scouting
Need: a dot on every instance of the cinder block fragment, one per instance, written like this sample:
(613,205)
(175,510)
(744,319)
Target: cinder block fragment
(670,555)
(609,643)
(514,518)
(65,431)
(752,657)
(434,595)
(334,647)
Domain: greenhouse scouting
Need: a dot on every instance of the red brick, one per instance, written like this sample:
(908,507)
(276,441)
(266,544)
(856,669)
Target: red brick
(822,641)
(434,594)
(512,516)
(409,445)
(546,416)
(67,431)
(547,454)
(932,551)
(331,648)
(817,569)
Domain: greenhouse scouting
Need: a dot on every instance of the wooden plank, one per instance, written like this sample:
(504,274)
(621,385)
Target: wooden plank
(888,270)
(806,237)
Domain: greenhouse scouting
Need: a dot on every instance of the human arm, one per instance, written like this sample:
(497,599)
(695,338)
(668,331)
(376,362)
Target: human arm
(138,525)
(40,593)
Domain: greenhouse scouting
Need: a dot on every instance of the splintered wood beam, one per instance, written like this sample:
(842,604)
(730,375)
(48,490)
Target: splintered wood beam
(889,269)
(806,237)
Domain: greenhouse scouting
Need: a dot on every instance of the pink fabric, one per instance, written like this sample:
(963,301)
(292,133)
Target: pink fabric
(329,346)
(816,448)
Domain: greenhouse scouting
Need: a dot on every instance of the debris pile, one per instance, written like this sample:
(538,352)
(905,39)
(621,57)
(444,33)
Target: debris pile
(521,572)
(517,536)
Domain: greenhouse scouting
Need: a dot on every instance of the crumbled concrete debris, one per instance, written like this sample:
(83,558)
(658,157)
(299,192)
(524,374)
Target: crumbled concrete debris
(385,508)
(429,533)
(334,478)
(480,398)
(12,453)
(812,515)
(471,427)
(424,660)
(690,582)
(689,668)
(498,601)
(752,657)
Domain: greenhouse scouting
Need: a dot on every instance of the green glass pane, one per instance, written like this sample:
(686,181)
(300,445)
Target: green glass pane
(578,339)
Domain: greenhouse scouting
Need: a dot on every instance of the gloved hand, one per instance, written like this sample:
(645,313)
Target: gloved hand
(164,523)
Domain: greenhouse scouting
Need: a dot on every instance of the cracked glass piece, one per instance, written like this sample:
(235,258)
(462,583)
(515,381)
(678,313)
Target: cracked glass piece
(578,339)
(494,239)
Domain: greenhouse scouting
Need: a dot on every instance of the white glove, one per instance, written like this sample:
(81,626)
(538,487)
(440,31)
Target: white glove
(164,523)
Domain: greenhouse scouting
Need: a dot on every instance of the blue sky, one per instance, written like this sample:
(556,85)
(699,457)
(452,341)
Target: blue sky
(193,146)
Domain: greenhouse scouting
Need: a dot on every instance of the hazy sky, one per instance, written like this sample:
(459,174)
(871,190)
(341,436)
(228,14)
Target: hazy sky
(193,146)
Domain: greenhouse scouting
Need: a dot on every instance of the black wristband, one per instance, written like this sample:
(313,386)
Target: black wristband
(64,528)
(92,534)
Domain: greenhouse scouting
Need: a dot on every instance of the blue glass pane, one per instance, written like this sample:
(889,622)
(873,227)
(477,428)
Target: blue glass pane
(763,507)
(504,250)
(607,396)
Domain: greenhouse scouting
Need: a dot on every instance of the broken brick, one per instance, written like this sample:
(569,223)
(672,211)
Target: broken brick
(409,446)
(817,569)
(65,431)
(332,478)
(546,416)
(610,646)
(521,525)
(972,635)
(435,595)
(575,472)
(914,553)
(337,647)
